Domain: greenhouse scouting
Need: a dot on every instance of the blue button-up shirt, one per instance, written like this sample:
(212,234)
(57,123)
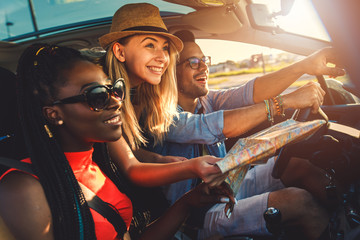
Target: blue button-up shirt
(190,130)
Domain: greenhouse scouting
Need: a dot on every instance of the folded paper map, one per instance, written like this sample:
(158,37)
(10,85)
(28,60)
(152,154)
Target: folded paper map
(257,148)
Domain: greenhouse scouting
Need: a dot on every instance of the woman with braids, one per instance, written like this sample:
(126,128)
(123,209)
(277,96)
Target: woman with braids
(66,105)
(140,49)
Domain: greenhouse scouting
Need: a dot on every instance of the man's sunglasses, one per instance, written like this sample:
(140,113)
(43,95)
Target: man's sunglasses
(195,62)
(98,97)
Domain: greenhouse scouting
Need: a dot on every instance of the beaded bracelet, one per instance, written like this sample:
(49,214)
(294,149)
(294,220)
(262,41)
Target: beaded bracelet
(279,105)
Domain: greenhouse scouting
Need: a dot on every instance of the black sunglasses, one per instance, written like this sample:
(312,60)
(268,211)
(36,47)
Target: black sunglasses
(195,62)
(98,97)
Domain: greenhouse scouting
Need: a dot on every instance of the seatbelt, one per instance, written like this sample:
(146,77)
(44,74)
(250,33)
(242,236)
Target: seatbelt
(11,163)
(197,217)
(201,146)
(94,202)
(105,209)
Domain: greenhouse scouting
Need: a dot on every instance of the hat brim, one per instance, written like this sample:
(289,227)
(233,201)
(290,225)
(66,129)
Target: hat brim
(108,38)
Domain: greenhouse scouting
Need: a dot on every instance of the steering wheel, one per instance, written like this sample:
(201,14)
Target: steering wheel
(303,115)
(299,149)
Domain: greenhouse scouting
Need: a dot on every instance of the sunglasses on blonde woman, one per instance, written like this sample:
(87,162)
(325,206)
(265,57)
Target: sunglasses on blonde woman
(98,97)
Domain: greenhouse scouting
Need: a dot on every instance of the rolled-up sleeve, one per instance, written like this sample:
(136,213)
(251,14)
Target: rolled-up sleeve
(231,98)
(208,128)
(197,128)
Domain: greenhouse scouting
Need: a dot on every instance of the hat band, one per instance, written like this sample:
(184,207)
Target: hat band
(146,29)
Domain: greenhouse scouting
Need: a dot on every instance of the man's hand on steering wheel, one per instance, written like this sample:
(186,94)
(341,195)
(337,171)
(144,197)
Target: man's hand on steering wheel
(311,95)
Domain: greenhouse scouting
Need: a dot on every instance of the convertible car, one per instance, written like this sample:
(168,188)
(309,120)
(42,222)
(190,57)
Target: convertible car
(298,27)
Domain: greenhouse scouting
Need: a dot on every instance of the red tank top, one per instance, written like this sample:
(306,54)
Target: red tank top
(88,173)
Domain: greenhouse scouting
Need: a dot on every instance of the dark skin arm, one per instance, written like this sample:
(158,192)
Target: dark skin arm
(24,208)
(4,231)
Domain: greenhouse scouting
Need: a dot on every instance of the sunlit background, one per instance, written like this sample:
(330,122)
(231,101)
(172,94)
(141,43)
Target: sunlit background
(16,20)
(302,20)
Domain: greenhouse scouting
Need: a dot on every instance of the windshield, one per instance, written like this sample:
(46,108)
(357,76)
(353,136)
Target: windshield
(23,18)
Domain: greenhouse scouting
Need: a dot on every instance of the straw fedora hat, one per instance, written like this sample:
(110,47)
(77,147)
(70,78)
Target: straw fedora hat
(137,18)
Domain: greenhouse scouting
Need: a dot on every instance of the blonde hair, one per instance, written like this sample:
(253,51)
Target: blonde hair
(160,111)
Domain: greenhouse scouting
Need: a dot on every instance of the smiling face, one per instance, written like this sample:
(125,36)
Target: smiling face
(82,126)
(192,83)
(146,58)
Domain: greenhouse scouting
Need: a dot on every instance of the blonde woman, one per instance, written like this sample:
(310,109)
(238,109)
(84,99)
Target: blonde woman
(141,50)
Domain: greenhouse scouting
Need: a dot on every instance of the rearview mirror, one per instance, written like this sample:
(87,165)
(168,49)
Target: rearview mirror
(260,17)
(286,6)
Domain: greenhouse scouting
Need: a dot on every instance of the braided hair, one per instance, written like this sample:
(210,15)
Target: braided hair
(40,72)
